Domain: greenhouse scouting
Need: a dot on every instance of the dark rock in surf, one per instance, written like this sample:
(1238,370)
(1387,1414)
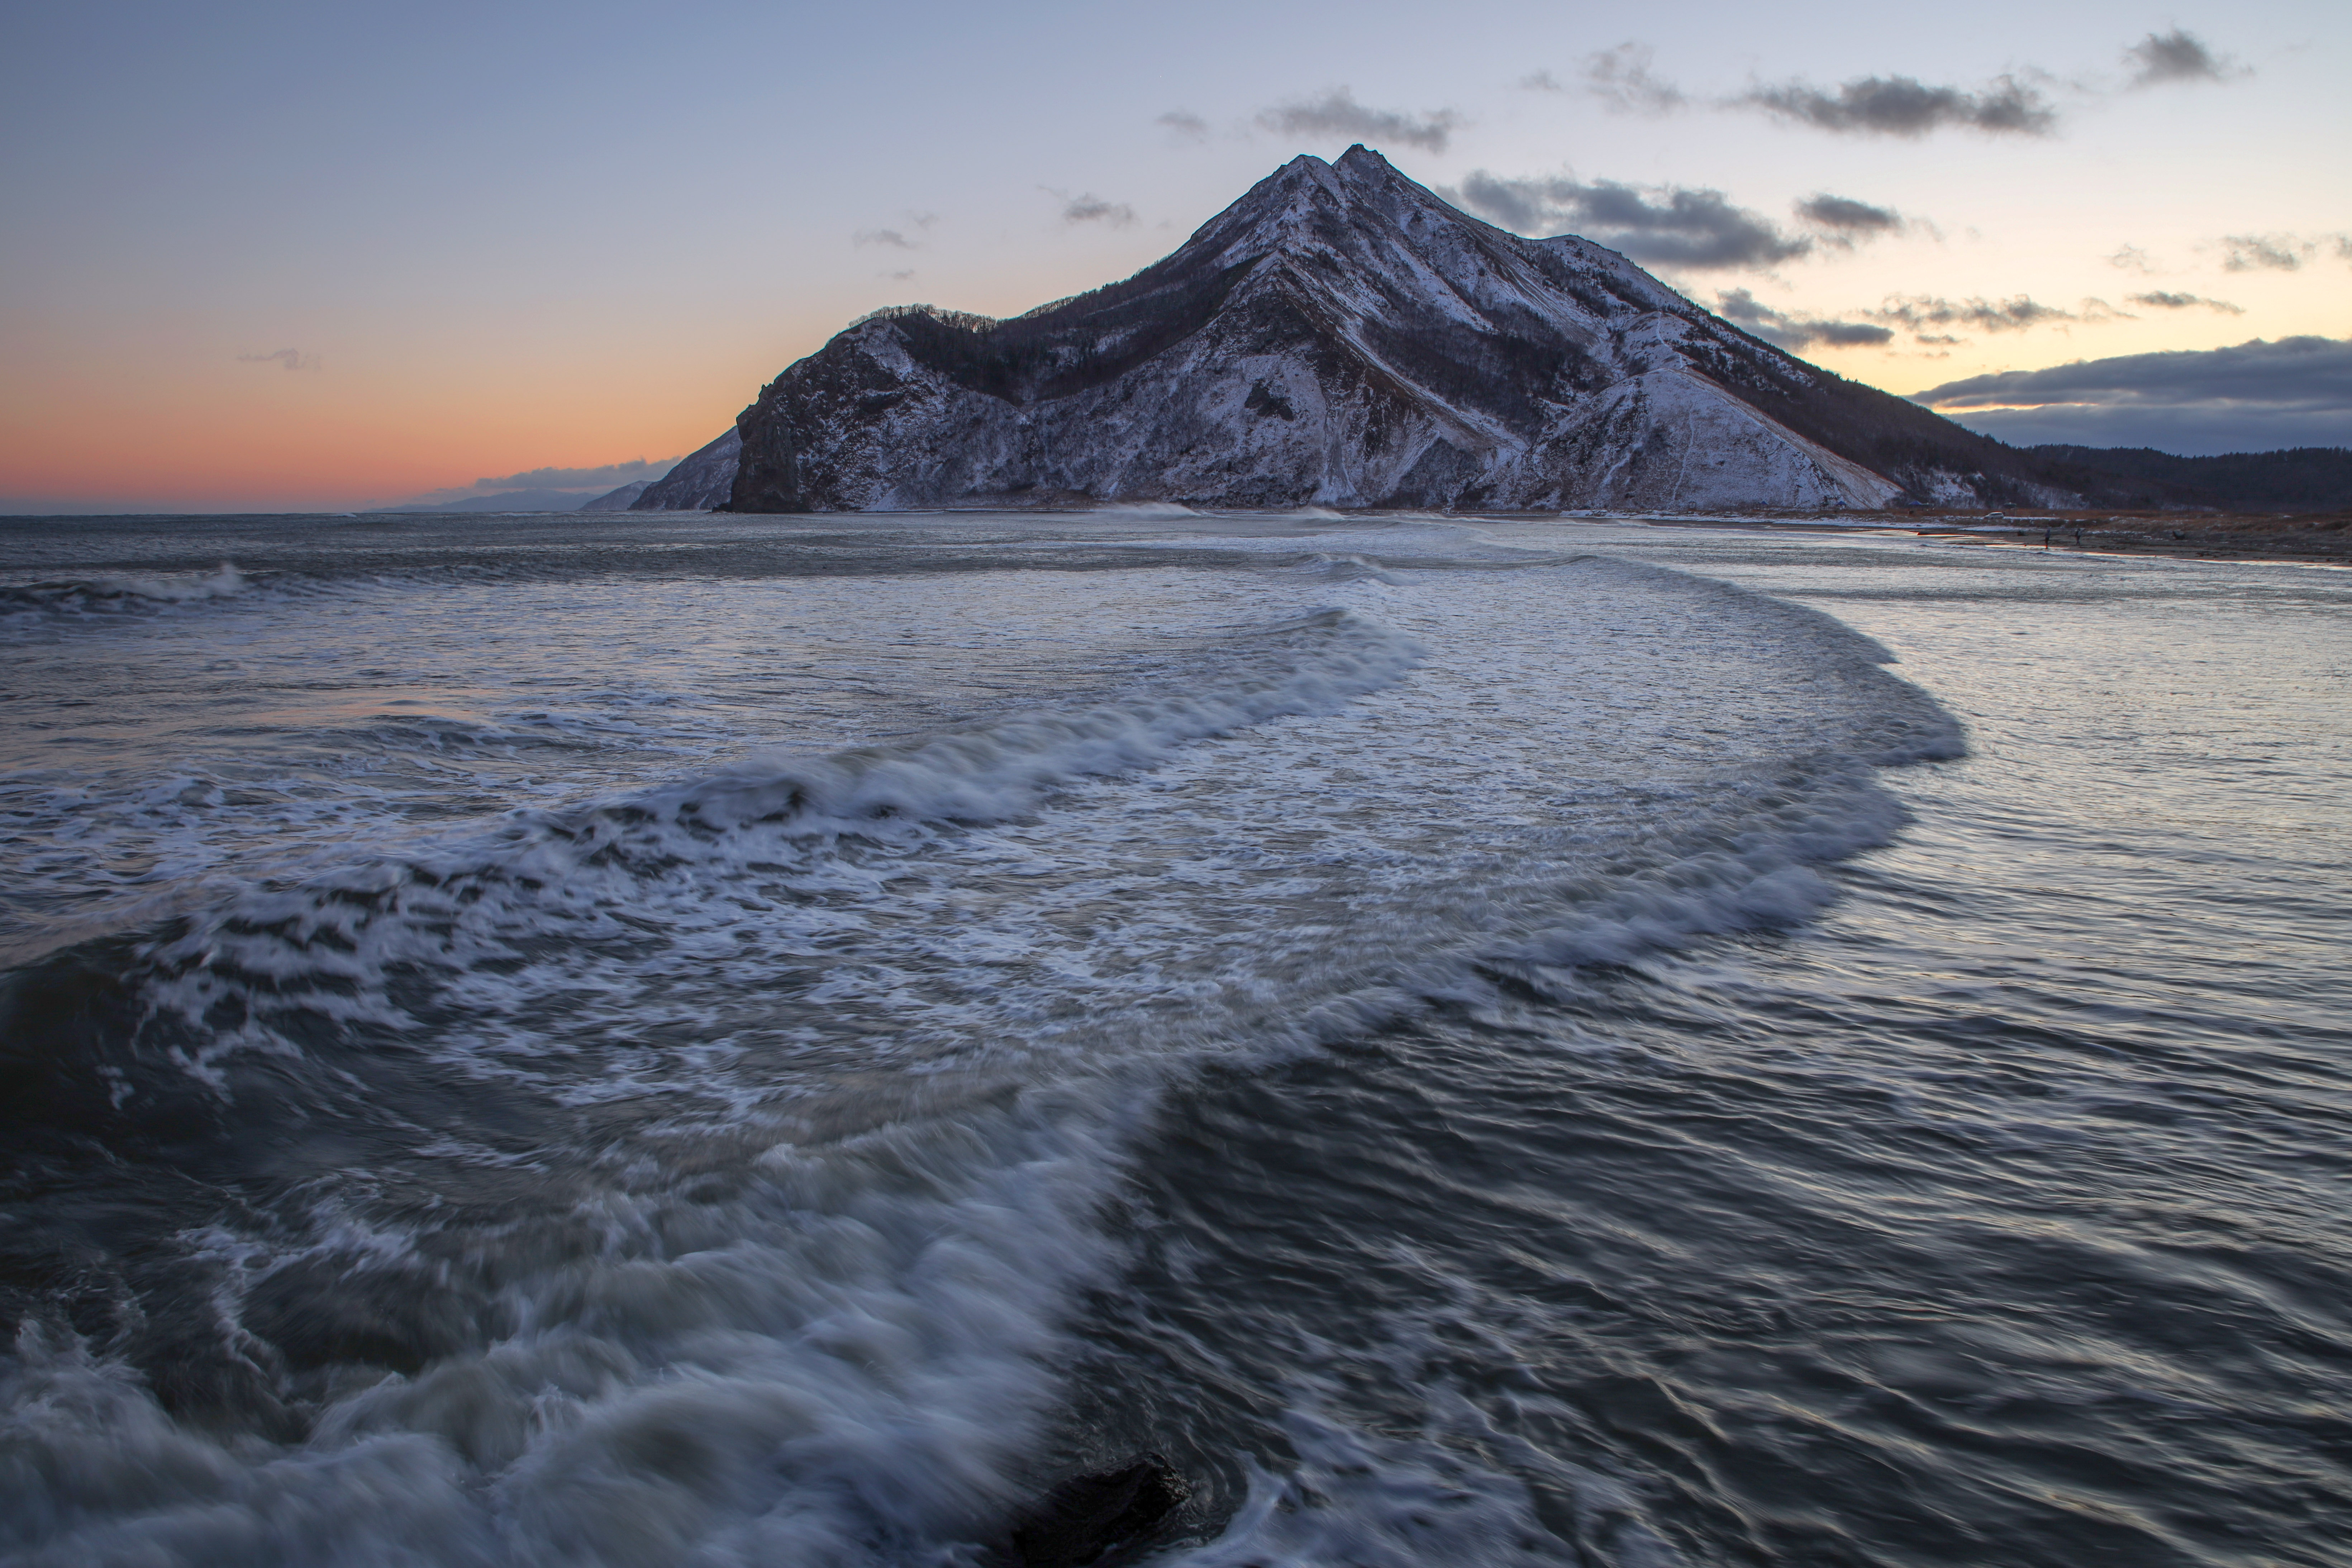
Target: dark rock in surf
(1088,1516)
(1342,337)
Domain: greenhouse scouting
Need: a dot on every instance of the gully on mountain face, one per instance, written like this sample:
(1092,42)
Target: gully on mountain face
(1340,337)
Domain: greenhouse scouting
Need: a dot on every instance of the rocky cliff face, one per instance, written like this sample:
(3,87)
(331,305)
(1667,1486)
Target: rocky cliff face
(1341,337)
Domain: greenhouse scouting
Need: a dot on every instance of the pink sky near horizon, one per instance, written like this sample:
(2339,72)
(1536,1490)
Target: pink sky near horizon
(531,237)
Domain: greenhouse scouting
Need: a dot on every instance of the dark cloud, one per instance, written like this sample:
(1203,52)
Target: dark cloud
(289,359)
(1741,306)
(1901,106)
(1184,125)
(2255,396)
(1919,311)
(1669,225)
(1795,332)
(1622,79)
(2172,56)
(2161,300)
(1846,335)
(1337,114)
(2293,373)
(2279,252)
(1848,215)
(1844,223)
(885,236)
(1089,208)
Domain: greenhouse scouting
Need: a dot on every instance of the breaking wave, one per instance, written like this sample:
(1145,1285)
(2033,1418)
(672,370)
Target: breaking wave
(128,595)
(705,1174)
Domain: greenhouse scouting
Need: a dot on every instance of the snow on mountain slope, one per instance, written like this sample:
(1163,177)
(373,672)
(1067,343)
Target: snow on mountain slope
(1341,337)
(701,480)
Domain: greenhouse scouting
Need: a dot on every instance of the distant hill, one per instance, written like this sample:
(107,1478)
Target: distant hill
(619,499)
(2299,478)
(509,501)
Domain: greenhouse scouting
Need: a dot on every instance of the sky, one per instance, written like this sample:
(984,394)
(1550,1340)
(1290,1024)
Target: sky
(324,255)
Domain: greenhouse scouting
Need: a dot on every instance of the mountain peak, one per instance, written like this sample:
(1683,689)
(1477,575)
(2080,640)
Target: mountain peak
(1342,336)
(1359,162)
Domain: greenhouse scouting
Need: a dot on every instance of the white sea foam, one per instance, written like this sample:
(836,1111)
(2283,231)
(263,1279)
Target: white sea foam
(875,1029)
(128,593)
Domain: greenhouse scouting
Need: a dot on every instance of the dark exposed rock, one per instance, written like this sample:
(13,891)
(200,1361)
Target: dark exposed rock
(1089,1516)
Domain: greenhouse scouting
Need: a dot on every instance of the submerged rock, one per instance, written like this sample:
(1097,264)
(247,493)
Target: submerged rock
(1088,1516)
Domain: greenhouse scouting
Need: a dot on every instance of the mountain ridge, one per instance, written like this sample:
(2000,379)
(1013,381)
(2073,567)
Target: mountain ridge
(1341,336)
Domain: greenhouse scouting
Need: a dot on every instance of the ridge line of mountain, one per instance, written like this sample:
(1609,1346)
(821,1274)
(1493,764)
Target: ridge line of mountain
(1342,337)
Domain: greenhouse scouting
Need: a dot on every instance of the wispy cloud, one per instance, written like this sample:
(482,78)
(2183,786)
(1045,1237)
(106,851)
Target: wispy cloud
(1336,114)
(287,358)
(1904,106)
(2159,300)
(2280,252)
(896,239)
(1670,225)
(1622,79)
(2172,56)
(1920,312)
(1795,332)
(1843,223)
(1087,207)
(1843,214)
(1541,81)
(1184,125)
(2132,259)
(2016,103)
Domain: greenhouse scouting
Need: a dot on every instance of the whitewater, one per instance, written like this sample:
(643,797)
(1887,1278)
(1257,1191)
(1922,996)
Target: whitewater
(706,1040)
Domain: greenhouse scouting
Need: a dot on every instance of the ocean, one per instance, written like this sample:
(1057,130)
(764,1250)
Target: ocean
(697,1039)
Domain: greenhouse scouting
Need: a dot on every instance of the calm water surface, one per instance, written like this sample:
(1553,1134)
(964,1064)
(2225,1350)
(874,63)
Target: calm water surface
(713,1040)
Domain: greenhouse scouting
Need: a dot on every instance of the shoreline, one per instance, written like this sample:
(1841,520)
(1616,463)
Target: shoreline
(2321,539)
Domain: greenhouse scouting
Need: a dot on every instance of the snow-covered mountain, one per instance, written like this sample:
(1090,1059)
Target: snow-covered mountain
(1342,337)
(702,480)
